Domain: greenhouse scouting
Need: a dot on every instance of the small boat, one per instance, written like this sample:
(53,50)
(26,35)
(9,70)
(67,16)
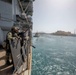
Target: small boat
(36,35)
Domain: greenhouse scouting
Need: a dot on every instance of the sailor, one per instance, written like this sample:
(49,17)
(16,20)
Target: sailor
(24,35)
(11,35)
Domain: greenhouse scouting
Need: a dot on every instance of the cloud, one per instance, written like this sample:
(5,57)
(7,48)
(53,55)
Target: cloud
(59,4)
(54,14)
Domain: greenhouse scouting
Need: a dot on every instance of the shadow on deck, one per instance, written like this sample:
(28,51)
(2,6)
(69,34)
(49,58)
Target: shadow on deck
(4,68)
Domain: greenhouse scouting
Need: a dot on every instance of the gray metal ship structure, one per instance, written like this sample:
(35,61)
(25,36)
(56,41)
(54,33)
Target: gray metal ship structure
(17,14)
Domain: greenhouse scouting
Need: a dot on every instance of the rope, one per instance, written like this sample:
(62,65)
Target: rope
(20,5)
(27,6)
(24,10)
(9,20)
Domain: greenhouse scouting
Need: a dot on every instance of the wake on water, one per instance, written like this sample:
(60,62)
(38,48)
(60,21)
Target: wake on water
(54,55)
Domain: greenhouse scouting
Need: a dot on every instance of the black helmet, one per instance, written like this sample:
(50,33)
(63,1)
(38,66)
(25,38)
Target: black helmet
(15,29)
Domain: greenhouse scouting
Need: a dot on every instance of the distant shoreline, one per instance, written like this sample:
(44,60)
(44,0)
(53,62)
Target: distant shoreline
(58,33)
(63,33)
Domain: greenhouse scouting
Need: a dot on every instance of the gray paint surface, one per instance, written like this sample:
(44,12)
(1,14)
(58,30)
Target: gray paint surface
(7,17)
(8,11)
(1,36)
(6,14)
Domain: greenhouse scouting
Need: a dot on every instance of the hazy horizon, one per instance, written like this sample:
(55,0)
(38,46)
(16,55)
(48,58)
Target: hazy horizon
(51,16)
(52,32)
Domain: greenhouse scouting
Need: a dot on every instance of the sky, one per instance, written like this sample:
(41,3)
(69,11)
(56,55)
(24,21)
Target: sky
(52,15)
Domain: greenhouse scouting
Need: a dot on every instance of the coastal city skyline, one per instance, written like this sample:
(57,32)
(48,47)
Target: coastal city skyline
(51,16)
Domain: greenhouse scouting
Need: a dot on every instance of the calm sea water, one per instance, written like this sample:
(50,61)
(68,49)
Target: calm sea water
(54,55)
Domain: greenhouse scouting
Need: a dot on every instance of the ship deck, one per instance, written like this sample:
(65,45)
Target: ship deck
(8,69)
(4,68)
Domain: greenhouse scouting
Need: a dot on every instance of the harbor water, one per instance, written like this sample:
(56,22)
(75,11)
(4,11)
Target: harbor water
(54,55)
